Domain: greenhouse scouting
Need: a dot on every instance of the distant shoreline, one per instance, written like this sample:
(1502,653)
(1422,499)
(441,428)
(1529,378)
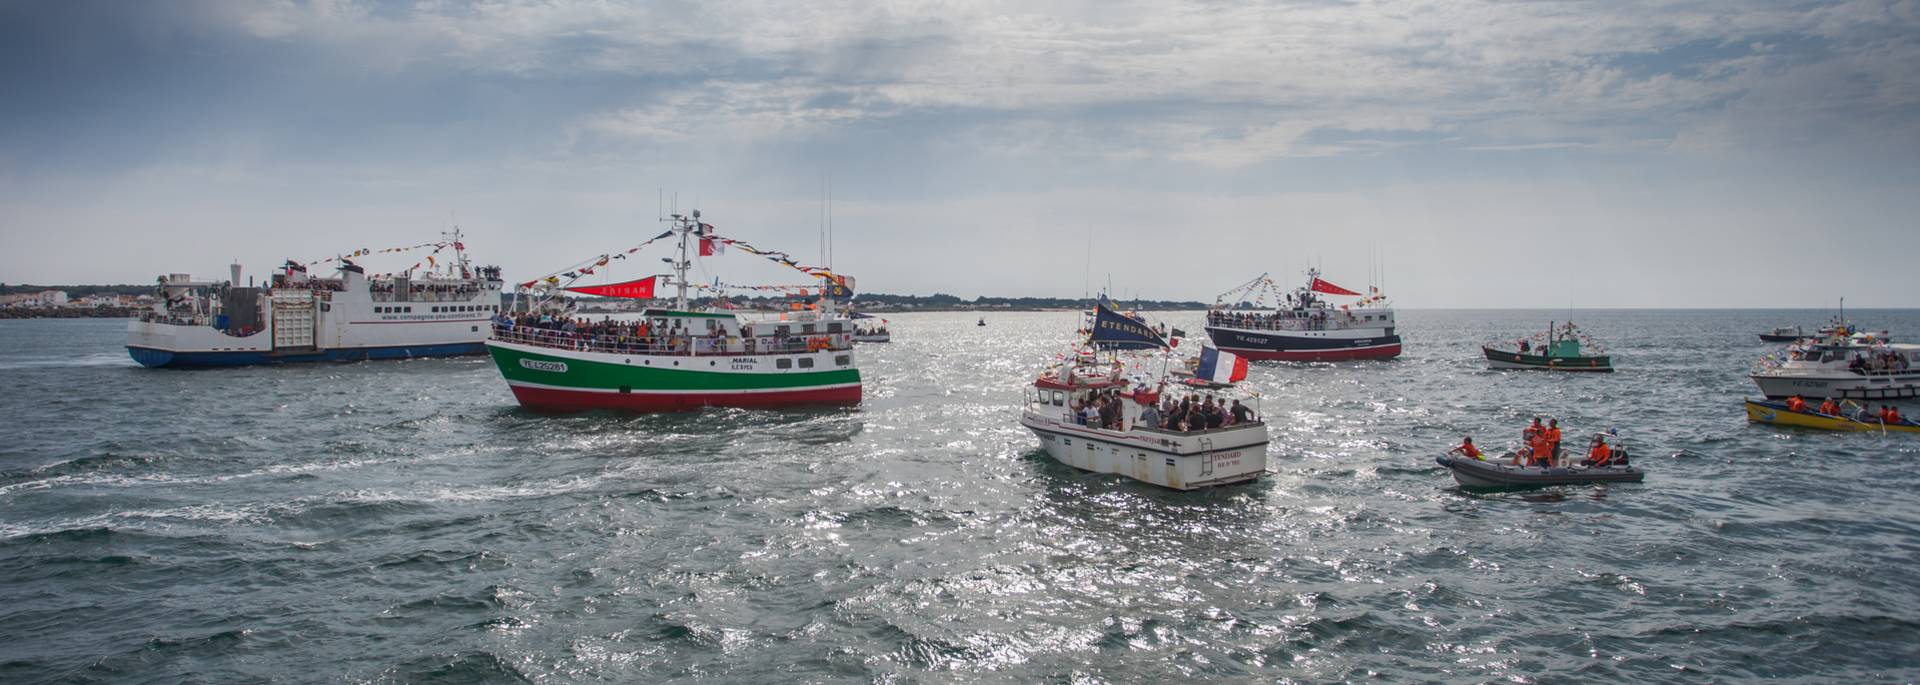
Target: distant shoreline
(69,312)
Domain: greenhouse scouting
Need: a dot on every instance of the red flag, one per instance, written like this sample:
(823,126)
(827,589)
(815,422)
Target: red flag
(637,290)
(1320,286)
(710,247)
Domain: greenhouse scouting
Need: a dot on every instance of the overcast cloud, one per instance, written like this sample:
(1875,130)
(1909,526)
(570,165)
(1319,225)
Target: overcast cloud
(1612,153)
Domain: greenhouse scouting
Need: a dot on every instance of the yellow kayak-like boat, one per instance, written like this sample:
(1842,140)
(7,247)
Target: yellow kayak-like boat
(1776,413)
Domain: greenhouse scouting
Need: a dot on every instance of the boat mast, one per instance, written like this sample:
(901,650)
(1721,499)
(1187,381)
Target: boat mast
(683,226)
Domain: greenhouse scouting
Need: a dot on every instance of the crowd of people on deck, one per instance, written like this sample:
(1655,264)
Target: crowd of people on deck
(1104,409)
(427,292)
(1541,448)
(647,337)
(1887,413)
(1878,360)
(1292,317)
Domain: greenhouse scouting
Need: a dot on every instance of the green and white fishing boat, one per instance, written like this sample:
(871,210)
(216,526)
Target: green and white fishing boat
(1561,348)
(676,358)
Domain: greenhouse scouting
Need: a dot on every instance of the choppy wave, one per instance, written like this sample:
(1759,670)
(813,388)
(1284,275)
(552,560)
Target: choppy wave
(405,523)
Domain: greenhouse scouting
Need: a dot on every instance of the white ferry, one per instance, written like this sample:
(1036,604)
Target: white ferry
(437,312)
(1860,367)
(1138,443)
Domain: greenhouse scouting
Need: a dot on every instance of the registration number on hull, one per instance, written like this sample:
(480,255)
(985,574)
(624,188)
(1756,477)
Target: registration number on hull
(541,365)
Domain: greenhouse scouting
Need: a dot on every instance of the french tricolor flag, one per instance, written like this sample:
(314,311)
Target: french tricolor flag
(1220,367)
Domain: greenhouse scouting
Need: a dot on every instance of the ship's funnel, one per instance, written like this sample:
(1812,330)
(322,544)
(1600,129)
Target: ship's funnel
(236,273)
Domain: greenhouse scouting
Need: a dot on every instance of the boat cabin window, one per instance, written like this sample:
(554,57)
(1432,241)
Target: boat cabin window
(833,328)
(1059,398)
(806,362)
(843,359)
(782,331)
(806,328)
(712,324)
(783,363)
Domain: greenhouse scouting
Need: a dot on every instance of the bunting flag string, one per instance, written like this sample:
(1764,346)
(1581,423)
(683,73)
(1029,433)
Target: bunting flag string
(774,256)
(363,252)
(802,290)
(586,267)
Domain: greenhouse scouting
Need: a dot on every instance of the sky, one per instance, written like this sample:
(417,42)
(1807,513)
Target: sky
(1458,153)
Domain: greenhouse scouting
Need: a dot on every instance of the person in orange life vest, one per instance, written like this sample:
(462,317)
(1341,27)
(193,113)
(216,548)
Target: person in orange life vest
(1600,455)
(1539,450)
(1796,405)
(1467,449)
(1830,407)
(1893,414)
(1553,438)
(1526,438)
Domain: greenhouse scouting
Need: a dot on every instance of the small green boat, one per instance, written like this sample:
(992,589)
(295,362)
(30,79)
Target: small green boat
(1560,349)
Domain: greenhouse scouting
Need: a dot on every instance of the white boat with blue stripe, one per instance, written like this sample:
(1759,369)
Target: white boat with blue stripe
(441,311)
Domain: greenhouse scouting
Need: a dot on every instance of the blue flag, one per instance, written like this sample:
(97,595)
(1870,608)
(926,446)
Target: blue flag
(1114,331)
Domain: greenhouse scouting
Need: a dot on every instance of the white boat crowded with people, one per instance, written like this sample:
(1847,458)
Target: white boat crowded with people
(438,307)
(1100,412)
(866,331)
(1861,366)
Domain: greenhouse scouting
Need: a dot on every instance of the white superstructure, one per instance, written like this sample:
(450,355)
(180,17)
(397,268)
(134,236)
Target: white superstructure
(294,318)
(1860,367)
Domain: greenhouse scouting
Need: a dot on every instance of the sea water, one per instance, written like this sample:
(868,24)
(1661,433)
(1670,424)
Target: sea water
(406,521)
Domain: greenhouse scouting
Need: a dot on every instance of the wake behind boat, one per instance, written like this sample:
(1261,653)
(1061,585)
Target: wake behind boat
(677,358)
(441,310)
(1089,413)
(1303,325)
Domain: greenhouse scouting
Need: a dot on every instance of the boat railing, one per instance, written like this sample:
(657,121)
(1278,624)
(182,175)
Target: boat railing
(1071,417)
(1202,431)
(682,345)
(1263,322)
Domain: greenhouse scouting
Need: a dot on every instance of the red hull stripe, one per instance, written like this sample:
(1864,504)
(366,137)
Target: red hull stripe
(1380,352)
(551,399)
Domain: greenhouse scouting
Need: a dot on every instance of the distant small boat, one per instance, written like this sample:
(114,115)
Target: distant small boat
(872,335)
(1777,413)
(1783,334)
(1474,473)
(983,322)
(1559,350)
